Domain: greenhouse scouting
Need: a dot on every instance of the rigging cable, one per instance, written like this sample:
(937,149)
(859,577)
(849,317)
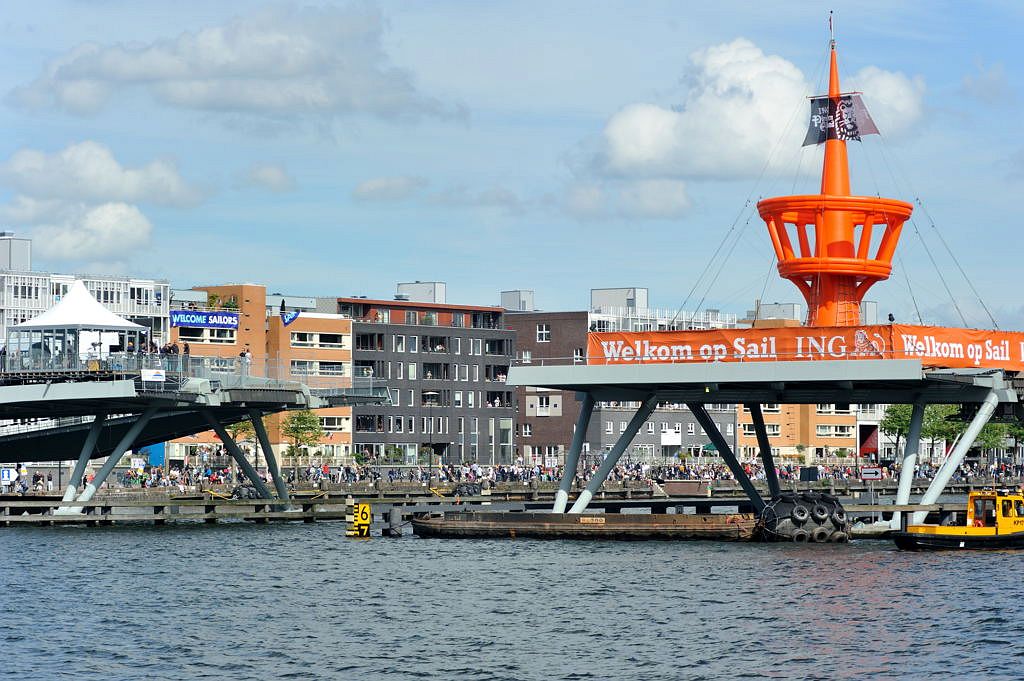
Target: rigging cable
(956,262)
(739,215)
(920,319)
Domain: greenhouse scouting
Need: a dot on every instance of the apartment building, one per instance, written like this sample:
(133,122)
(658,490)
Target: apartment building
(25,294)
(446,367)
(548,417)
(289,338)
(801,433)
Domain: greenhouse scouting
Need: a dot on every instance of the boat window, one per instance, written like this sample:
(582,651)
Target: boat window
(1008,508)
(1020,509)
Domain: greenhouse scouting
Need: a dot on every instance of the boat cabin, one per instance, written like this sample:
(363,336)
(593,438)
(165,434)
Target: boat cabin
(999,510)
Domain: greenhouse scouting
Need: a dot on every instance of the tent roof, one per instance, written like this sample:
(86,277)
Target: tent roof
(78,310)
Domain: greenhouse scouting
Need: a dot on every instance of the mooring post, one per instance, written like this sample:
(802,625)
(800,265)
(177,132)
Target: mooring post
(613,456)
(910,451)
(127,441)
(237,454)
(765,447)
(572,457)
(88,447)
(725,451)
(956,457)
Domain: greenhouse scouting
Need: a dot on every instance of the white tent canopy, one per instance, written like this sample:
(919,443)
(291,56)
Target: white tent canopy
(76,328)
(79,310)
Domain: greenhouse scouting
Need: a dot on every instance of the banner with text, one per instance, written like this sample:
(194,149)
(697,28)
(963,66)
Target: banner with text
(197,319)
(935,346)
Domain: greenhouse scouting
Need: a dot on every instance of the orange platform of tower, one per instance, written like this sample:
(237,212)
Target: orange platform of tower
(835,270)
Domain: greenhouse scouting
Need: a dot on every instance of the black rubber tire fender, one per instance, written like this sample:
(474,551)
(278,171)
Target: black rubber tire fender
(801,536)
(820,535)
(799,514)
(820,512)
(839,538)
(839,517)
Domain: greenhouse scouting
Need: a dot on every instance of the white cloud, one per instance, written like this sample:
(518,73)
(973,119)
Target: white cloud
(324,61)
(493,197)
(989,85)
(740,102)
(396,188)
(77,232)
(88,171)
(894,100)
(270,176)
(658,199)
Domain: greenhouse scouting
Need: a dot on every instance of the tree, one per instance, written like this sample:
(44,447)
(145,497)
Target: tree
(896,422)
(941,424)
(241,430)
(303,428)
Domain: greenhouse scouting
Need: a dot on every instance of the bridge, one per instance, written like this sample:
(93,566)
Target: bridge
(96,408)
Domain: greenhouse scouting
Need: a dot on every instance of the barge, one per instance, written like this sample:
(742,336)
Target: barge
(639,526)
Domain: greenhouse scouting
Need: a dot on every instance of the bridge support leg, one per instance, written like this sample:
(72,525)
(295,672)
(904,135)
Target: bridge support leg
(765,447)
(572,457)
(88,447)
(956,457)
(127,441)
(613,456)
(725,451)
(909,462)
(237,455)
(268,453)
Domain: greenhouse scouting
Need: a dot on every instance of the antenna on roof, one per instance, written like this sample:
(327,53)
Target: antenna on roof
(831,29)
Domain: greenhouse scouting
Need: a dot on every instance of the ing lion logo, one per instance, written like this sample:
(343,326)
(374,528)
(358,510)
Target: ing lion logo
(864,346)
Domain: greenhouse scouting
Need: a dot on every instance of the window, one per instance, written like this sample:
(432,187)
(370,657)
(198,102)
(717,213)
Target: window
(396,396)
(410,424)
(478,346)
(464,372)
(301,339)
(414,342)
(399,422)
(622,426)
(458,319)
(650,426)
(526,356)
(476,372)
(609,427)
(678,428)
(225,336)
(527,429)
(399,343)
(844,431)
(412,371)
(399,370)
(543,333)
(458,398)
(729,428)
(578,356)
(823,431)
(412,399)
(410,318)
(469,399)
(664,427)
(690,428)
(457,346)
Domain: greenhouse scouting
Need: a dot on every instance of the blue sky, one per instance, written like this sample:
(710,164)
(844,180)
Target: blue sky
(337,148)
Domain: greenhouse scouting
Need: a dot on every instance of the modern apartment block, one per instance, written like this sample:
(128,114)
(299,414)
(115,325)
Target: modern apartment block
(446,367)
(548,417)
(288,338)
(24,293)
(802,433)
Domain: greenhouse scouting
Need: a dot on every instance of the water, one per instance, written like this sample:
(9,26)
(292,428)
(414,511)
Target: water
(301,602)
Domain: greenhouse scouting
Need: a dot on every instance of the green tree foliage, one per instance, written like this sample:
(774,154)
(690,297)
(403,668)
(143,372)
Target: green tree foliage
(896,422)
(302,428)
(242,431)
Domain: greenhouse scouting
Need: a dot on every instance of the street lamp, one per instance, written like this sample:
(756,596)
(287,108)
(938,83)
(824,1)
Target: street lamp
(430,396)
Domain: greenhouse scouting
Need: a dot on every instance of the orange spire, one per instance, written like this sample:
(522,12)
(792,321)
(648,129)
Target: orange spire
(835,174)
(823,242)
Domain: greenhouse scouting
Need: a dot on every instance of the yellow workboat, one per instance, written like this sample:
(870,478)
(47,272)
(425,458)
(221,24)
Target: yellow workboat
(994,520)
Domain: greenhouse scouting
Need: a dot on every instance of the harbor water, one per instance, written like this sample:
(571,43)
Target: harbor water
(238,601)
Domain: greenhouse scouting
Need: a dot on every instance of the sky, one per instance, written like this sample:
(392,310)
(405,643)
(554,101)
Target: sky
(336,148)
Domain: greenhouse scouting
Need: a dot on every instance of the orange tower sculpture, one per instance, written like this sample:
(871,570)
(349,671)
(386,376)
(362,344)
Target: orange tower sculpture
(834,267)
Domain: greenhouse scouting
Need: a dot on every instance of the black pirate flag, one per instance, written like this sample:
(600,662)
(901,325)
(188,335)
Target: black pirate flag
(842,118)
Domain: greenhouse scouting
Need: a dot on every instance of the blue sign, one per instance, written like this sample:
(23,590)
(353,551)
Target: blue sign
(197,319)
(289,317)
(155,454)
